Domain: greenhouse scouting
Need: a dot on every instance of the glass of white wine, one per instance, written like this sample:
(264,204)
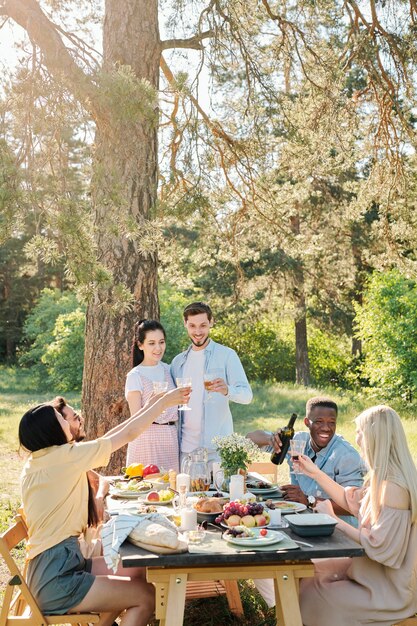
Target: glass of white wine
(182,383)
(209,377)
(160,386)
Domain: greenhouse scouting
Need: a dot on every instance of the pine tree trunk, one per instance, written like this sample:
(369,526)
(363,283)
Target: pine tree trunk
(124,185)
(302,362)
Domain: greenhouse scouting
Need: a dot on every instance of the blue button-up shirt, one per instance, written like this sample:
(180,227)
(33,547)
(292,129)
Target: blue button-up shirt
(217,417)
(338,459)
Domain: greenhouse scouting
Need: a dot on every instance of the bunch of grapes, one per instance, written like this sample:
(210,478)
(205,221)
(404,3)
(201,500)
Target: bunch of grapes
(235,532)
(255,508)
(239,508)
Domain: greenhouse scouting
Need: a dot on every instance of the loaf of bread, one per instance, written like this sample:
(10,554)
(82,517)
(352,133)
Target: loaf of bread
(158,532)
(210,505)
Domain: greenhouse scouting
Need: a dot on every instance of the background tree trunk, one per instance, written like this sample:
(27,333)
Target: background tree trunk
(125,159)
(302,362)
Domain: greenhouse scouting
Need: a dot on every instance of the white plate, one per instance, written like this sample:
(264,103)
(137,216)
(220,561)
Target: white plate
(312,519)
(267,491)
(273,536)
(128,495)
(285,506)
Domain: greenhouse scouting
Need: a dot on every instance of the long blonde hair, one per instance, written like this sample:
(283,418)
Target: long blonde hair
(386,452)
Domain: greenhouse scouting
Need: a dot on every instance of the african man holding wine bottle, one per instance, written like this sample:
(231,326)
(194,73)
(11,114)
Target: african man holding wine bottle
(330,452)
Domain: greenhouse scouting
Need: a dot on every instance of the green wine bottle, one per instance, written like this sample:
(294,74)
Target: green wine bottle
(286,434)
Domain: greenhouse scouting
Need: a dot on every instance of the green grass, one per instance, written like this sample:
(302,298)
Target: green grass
(270,409)
(273,404)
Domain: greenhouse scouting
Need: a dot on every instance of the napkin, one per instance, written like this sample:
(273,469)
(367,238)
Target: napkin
(117,529)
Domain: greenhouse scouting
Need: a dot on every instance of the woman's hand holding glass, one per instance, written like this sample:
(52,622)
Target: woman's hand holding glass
(179,395)
(305,465)
(324,506)
(185,385)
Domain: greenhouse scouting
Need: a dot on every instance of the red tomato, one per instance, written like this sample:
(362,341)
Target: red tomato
(150,469)
(263,532)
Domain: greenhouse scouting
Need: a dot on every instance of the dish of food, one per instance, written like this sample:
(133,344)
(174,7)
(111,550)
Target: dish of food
(165,496)
(289,507)
(258,537)
(130,489)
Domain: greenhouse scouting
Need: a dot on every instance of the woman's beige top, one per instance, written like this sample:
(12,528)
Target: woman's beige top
(379,588)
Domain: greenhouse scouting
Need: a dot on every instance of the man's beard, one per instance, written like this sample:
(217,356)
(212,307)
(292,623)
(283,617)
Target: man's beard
(199,344)
(79,438)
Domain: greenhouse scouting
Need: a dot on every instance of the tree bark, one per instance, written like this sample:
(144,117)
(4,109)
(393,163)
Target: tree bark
(302,362)
(126,160)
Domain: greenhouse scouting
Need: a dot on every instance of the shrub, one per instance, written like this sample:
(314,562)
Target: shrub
(265,355)
(387,324)
(41,335)
(172,303)
(330,358)
(64,357)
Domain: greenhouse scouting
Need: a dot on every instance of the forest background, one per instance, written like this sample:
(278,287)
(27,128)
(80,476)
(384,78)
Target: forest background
(258,155)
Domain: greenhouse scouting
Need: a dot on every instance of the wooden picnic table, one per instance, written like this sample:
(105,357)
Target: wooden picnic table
(170,573)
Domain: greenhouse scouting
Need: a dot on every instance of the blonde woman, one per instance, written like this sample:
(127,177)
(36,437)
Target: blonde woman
(381,587)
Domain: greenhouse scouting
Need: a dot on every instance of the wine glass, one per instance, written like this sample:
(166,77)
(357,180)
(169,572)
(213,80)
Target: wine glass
(297,447)
(209,377)
(182,383)
(160,386)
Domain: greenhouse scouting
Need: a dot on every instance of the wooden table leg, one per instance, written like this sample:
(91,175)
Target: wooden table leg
(289,610)
(171,587)
(177,588)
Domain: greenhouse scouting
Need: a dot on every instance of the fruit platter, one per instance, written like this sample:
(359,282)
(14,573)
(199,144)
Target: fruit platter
(163,496)
(139,471)
(243,513)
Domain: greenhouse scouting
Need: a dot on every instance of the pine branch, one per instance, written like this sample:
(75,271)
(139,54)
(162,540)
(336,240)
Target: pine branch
(44,34)
(195,42)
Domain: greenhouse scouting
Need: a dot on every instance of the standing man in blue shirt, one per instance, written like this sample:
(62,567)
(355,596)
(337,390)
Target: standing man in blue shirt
(210,413)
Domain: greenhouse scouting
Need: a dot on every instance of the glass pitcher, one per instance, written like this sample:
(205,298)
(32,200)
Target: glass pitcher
(195,464)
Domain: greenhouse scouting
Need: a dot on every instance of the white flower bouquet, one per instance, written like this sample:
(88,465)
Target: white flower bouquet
(236,452)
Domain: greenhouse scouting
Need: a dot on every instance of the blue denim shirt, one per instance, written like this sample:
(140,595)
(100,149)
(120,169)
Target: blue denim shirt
(217,418)
(338,459)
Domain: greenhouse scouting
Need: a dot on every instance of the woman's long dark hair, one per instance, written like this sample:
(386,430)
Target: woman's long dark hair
(141,328)
(38,429)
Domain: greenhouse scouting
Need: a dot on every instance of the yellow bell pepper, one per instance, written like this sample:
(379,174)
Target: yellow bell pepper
(134,470)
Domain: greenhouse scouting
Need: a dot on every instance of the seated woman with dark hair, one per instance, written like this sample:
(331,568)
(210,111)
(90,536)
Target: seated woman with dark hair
(55,504)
